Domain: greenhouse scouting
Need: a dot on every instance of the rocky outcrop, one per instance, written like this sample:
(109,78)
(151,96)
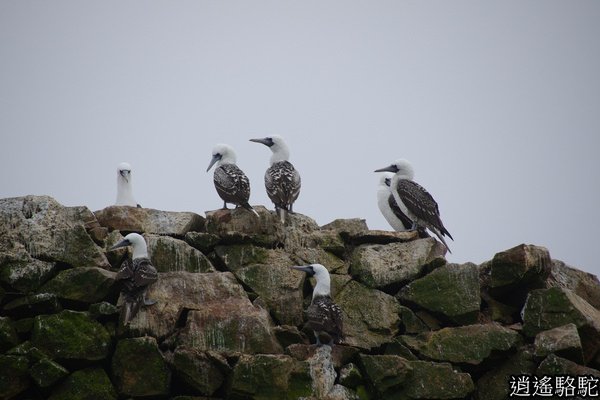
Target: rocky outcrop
(229,313)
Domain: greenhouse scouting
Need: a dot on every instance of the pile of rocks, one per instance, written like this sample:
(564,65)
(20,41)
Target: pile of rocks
(229,313)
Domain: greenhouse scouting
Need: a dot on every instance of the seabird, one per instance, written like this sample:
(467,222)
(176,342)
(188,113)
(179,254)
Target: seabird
(324,317)
(230,181)
(282,180)
(414,201)
(124,188)
(137,276)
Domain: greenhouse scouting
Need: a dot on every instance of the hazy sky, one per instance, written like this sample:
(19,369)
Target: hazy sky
(496,104)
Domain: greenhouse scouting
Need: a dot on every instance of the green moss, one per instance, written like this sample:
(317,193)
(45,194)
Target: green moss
(87,384)
(13,376)
(85,284)
(430,380)
(46,372)
(27,276)
(8,334)
(237,256)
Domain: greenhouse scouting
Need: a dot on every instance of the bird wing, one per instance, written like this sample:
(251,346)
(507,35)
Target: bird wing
(144,272)
(282,182)
(323,315)
(406,222)
(420,203)
(126,270)
(232,184)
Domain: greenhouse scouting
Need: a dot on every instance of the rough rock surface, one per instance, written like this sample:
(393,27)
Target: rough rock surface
(229,313)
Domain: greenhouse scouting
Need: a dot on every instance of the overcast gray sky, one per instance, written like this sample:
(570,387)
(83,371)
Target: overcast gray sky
(496,104)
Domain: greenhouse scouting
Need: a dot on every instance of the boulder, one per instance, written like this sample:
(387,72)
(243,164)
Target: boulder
(38,227)
(493,385)
(139,368)
(27,276)
(28,350)
(203,241)
(386,373)
(410,323)
(267,377)
(268,274)
(381,266)
(35,304)
(430,380)
(89,383)
(84,284)
(134,219)
(563,341)
(350,376)
(46,373)
(451,290)
(169,254)
(522,265)
(550,308)
(14,378)
(378,237)
(583,284)
(8,334)
(472,344)
(199,370)
(71,335)
(555,365)
(305,256)
(370,317)
(346,227)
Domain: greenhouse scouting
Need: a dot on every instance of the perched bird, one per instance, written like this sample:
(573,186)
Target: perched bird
(282,180)
(124,188)
(136,276)
(414,201)
(231,183)
(324,317)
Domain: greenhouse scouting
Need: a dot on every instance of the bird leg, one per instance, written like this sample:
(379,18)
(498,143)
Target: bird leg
(224,206)
(318,344)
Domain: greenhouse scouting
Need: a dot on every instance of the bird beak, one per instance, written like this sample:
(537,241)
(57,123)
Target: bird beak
(391,168)
(262,141)
(124,174)
(122,243)
(301,268)
(215,158)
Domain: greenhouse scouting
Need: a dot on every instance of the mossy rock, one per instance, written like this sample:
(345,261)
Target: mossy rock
(14,378)
(46,373)
(34,304)
(470,344)
(27,276)
(27,349)
(103,309)
(350,376)
(493,384)
(430,380)
(86,384)
(198,370)
(385,372)
(554,365)
(8,334)
(521,265)
(84,284)
(139,368)
(205,242)
(410,322)
(169,254)
(563,341)
(71,335)
(451,290)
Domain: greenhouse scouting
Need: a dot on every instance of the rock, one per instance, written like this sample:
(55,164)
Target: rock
(521,265)
(134,219)
(410,322)
(550,308)
(24,326)
(267,377)
(322,372)
(35,304)
(563,341)
(71,335)
(493,385)
(103,309)
(335,265)
(397,348)
(268,274)
(169,254)
(327,240)
(379,237)
(205,242)
(89,383)
(554,365)
(198,370)
(139,369)
(46,373)
(350,376)
(429,380)
(385,372)
(347,226)
(370,316)
(13,376)
(84,284)
(380,266)
(38,227)
(340,354)
(287,335)
(451,290)
(581,283)
(27,276)
(28,350)
(8,334)
(470,344)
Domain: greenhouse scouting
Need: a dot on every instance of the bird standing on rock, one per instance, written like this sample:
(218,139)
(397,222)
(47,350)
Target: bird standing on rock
(136,275)
(282,180)
(124,186)
(324,317)
(230,181)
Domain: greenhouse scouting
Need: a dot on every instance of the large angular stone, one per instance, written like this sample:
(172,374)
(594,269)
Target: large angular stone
(351,226)
(38,227)
(451,290)
(370,316)
(270,377)
(84,284)
(550,308)
(199,370)
(134,219)
(203,241)
(379,237)
(563,341)
(380,266)
(46,373)
(27,276)
(470,344)
(430,380)
(139,368)
(71,335)
(169,254)
(519,266)
(31,305)
(583,284)
(385,372)
(89,383)
(268,274)
(493,384)
(8,334)
(554,365)
(13,376)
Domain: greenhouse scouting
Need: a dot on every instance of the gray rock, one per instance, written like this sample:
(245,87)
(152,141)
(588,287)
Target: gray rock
(27,276)
(199,369)
(554,365)
(583,284)
(379,237)
(84,284)
(379,266)
(38,227)
(205,242)
(430,380)
(350,376)
(46,373)
(347,226)
(169,254)
(521,265)
(493,384)
(133,219)
(410,322)
(563,341)
(35,304)
(385,372)
(89,383)
(451,290)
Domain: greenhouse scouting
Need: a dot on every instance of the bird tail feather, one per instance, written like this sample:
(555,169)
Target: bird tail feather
(441,237)
(248,207)
(282,214)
